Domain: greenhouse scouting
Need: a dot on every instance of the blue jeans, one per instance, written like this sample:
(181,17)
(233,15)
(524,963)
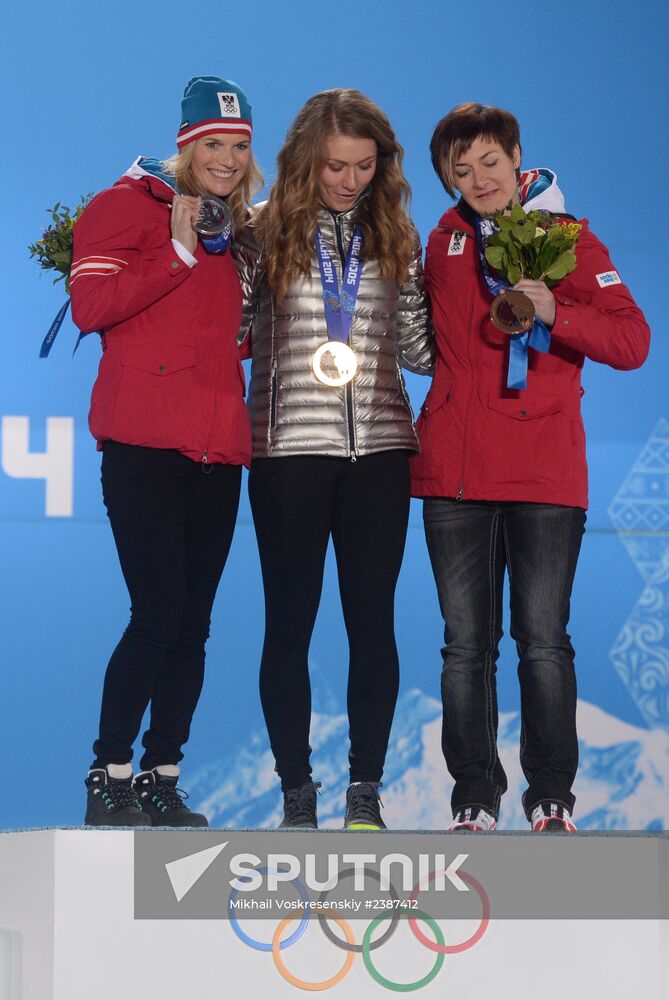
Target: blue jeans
(471,544)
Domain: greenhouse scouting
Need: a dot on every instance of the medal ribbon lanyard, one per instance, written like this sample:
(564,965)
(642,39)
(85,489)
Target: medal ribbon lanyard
(47,343)
(538,337)
(339,306)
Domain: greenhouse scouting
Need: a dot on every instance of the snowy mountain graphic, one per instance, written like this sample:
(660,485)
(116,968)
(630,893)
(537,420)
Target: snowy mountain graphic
(623,780)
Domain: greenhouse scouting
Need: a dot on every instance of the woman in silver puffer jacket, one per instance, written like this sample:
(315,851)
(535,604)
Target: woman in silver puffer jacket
(332,424)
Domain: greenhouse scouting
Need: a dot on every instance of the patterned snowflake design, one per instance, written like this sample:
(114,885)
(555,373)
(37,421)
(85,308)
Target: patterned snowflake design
(640,513)
(640,509)
(332,301)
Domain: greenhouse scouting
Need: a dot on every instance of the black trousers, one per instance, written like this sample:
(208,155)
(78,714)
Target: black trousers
(297,503)
(172,522)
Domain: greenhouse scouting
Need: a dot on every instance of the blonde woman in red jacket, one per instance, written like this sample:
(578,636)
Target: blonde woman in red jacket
(168,413)
(503,472)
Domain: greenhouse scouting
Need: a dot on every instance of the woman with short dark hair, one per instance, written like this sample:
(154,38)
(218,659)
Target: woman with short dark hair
(502,470)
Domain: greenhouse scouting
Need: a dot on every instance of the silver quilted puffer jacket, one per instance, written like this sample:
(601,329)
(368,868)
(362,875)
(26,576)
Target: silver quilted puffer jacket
(292,413)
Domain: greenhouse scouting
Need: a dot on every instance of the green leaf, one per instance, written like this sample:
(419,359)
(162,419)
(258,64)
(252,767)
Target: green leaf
(495,256)
(62,257)
(563,266)
(524,233)
(514,274)
(536,270)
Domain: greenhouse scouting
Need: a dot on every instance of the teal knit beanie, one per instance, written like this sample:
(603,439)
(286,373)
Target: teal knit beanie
(211,105)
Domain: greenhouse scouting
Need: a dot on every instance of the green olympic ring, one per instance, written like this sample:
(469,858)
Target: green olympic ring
(389,983)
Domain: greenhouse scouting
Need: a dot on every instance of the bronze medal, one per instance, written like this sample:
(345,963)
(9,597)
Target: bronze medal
(513,312)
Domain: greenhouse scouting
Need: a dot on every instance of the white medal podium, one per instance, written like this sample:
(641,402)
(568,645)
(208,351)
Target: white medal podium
(69,931)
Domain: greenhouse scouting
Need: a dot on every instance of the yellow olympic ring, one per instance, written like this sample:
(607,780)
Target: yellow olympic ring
(302,984)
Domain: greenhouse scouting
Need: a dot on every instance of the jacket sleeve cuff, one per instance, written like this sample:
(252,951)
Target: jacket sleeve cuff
(564,318)
(185,255)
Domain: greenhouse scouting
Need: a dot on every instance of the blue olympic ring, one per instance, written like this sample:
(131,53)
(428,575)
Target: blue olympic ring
(263,945)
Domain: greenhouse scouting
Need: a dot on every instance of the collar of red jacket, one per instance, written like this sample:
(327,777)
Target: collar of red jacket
(151,174)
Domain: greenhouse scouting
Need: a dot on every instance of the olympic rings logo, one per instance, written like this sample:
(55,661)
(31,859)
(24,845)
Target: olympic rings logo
(369,944)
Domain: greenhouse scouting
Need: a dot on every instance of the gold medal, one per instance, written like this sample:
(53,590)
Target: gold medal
(334,363)
(512,312)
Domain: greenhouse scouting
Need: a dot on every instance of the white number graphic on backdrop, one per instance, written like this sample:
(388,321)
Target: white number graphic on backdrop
(640,512)
(55,465)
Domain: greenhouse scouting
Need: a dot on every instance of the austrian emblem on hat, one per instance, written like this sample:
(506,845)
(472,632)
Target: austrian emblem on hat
(229,105)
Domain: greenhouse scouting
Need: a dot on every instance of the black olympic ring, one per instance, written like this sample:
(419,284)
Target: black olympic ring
(394,921)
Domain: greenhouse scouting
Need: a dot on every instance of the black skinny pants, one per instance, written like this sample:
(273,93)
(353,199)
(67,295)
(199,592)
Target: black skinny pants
(172,523)
(297,503)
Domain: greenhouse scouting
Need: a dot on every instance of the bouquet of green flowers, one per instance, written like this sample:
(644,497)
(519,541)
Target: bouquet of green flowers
(53,251)
(532,245)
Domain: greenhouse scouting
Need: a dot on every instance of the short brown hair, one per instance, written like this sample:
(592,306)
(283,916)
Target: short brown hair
(456,132)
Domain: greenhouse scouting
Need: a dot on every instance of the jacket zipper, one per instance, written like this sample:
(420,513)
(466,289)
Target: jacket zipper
(348,388)
(273,395)
(458,495)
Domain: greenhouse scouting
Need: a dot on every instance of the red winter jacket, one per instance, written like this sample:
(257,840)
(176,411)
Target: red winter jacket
(482,441)
(170,375)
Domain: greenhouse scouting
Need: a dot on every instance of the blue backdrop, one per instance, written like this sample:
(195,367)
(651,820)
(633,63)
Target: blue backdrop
(88,88)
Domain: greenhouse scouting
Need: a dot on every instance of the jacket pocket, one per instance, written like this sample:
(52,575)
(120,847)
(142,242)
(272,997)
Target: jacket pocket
(158,402)
(161,361)
(439,394)
(403,392)
(525,409)
(526,440)
(434,437)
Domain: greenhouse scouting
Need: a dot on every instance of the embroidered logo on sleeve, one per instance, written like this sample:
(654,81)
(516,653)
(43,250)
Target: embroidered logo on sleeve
(457,245)
(608,278)
(229,105)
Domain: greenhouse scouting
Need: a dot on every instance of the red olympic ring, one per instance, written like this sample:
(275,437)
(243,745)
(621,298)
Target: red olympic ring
(453,949)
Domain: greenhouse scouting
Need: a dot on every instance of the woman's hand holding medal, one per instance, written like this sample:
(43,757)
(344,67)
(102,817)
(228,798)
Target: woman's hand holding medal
(533,252)
(541,297)
(185,211)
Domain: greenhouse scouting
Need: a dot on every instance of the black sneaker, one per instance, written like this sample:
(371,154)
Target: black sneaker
(112,801)
(299,806)
(164,802)
(363,806)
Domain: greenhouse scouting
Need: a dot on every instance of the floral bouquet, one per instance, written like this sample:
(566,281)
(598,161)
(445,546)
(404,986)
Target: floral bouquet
(53,252)
(533,245)
(519,244)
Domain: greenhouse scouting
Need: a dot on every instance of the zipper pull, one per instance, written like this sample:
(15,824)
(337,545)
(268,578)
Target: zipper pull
(206,468)
(459,494)
(354,457)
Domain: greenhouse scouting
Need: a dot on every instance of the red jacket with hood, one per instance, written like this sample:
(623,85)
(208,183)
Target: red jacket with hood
(482,441)
(170,375)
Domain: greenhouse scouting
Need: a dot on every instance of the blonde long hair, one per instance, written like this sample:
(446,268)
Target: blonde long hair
(180,166)
(287,221)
